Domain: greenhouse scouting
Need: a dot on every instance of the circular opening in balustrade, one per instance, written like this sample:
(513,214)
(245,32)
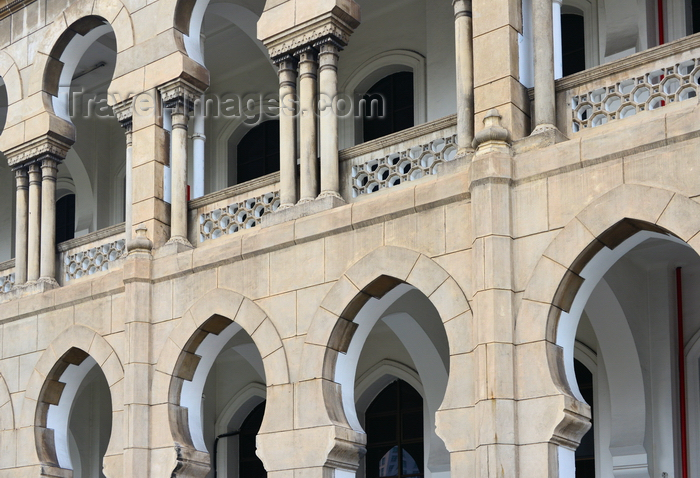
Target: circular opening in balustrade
(626,87)
(686,67)
(372,188)
(687,93)
(628,111)
(657,102)
(233,228)
(671,85)
(655,77)
(415,152)
(394,181)
(427,160)
(393,159)
(438,145)
(405,167)
(642,95)
(612,103)
(383,174)
(598,120)
(449,153)
(208,227)
(372,165)
(416,174)
(584,112)
(216,234)
(361,180)
(597,95)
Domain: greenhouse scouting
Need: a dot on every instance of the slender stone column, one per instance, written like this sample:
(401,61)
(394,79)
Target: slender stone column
(557,35)
(129,189)
(465,74)
(308,70)
(328,84)
(34,227)
(545,113)
(49,169)
(198,143)
(287,65)
(22,219)
(178,211)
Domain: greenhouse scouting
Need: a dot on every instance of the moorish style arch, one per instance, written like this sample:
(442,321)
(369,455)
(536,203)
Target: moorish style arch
(47,386)
(564,279)
(330,355)
(216,317)
(7,414)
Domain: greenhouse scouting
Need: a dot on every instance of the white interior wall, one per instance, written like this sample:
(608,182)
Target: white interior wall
(7,199)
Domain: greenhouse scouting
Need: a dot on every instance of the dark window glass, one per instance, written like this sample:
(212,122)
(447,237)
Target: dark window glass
(388,106)
(585,454)
(249,464)
(394,425)
(65,218)
(258,153)
(695,13)
(573,41)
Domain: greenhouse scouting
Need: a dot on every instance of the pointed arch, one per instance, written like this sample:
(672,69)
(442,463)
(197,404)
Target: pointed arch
(76,345)
(219,314)
(7,413)
(563,280)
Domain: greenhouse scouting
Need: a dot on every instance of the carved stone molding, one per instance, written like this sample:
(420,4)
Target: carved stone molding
(45,147)
(179,93)
(327,28)
(124,114)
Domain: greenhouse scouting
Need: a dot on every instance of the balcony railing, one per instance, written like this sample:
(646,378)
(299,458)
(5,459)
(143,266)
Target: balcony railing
(398,158)
(96,252)
(641,82)
(233,209)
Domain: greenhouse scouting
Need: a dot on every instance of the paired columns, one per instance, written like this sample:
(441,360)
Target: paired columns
(36,166)
(314,69)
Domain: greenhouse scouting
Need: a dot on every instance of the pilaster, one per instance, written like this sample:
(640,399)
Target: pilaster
(490,184)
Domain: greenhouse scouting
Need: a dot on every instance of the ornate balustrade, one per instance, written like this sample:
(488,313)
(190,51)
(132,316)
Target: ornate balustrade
(92,253)
(233,209)
(7,276)
(644,81)
(398,158)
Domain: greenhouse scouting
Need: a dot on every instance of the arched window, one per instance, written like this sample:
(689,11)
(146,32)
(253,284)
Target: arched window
(389,106)
(394,425)
(573,43)
(257,154)
(249,465)
(65,218)
(585,453)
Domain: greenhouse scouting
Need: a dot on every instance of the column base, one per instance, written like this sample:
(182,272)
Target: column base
(175,245)
(329,194)
(29,288)
(542,136)
(302,209)
(48,283)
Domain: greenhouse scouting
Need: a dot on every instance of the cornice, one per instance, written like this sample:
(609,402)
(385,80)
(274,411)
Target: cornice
(328,27)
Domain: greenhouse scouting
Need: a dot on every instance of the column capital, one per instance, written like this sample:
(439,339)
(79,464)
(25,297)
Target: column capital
(37,150)
(463,8)
(179,94)
(21,175)
(324,28)
(124,113)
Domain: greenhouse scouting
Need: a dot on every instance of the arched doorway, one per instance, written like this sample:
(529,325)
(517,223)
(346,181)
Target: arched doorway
(625,316)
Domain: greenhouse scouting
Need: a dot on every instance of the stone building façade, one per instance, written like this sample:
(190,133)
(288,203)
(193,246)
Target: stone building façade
(192,290)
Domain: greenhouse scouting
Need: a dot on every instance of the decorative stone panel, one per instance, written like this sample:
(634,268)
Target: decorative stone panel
(7,282)
(396,168)
(93,260)
(628,97)
(237,216)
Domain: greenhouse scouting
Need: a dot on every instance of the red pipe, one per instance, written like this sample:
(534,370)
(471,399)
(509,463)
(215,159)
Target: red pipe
(681,368)
(662,40)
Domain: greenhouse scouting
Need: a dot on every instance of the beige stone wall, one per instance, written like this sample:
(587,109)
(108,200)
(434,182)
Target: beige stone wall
(496,245)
